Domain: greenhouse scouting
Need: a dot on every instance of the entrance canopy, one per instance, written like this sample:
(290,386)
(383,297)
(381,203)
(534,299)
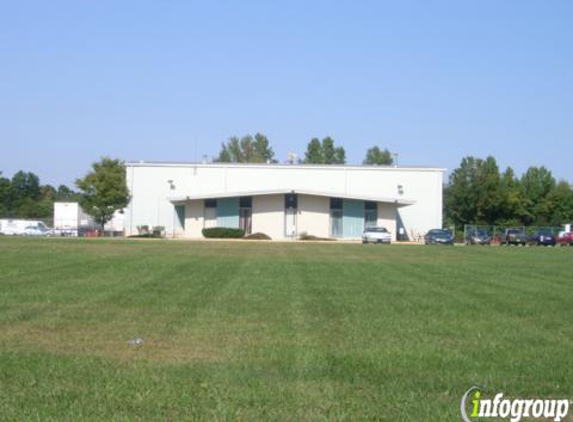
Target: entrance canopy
(398,202)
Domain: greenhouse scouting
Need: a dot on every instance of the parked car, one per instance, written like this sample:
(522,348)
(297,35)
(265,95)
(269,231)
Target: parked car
(543,237)
(515,237)
(376,235)
(478,237)
(37,231)
(439,237)
(566,239)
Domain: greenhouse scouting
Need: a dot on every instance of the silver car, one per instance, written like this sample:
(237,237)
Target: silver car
(376,234)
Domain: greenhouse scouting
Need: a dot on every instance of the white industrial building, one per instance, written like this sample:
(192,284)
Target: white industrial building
(283,201)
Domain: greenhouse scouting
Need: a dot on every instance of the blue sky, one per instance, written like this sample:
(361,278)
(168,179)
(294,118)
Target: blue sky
(170,80)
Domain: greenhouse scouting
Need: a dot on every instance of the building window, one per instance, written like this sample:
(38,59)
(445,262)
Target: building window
(246,213)
(246,202)
(291,201)
(180,212)
(336,217)
(210,213)
(370,214)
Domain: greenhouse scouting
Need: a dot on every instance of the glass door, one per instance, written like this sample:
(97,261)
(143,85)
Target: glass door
(245,219)
(290,222)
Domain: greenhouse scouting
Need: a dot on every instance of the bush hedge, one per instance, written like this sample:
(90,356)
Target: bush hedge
(223,233)
(146,236)
(305,236)
(258,236)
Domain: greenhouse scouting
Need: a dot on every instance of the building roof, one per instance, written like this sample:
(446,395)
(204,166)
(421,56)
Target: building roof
(282,166)
(397,201)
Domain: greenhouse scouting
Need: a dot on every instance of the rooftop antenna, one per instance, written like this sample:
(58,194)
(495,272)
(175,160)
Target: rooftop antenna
(292,158)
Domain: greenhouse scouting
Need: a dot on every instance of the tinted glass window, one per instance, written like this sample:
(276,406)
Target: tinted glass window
(336,222)
(335,203)
(210,203)
(369,205)
(246,202)
(291,200)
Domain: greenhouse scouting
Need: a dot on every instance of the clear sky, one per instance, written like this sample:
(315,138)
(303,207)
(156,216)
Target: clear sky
(170,80)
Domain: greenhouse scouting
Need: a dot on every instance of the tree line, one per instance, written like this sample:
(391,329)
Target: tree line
(23,196)
(101,192)
(257,149)
(477,192)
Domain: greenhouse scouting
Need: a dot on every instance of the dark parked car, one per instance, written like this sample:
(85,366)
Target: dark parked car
(515,237)
(566,239)
(439,237)
(543,237)
(478,237)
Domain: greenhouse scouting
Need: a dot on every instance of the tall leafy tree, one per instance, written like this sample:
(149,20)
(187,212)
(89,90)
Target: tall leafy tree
(324,152)
(536,184)
(25,194)
(103,191)
(560,204)
(247,149)
(65,194)
(5,196)
(460,200)
(313,154)
(263,149)
(512,208)
(488,191)
(378,157)
(26,185)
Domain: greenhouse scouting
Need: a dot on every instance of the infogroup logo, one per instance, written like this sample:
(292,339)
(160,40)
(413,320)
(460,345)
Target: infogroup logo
(475,406)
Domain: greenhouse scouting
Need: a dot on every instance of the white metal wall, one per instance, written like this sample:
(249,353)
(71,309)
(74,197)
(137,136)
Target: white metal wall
(151,184)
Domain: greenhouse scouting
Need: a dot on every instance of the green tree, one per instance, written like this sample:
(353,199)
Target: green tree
(536,184)
(460,196)
(25,194)
(324,152)
(103,191)
(26,185)
(560,204)
(488,193)
(5,196)
(263,149)
(313,154)
(65,194)
(378,157)
(247,149)
(512,208)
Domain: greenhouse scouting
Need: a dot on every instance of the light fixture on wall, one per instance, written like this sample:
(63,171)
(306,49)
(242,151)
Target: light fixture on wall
(171,185)
(400,190)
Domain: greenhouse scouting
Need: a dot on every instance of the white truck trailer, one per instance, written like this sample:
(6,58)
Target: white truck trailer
(71,220)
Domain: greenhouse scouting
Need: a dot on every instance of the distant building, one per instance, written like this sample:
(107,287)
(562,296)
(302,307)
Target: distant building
(283,201)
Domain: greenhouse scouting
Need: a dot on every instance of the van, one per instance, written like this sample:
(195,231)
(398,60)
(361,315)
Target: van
(14,227)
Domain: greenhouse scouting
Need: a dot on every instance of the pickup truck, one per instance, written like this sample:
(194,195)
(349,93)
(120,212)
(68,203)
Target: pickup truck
(515,237)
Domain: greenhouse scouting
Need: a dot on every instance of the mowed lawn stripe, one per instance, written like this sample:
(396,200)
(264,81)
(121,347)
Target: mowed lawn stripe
(241,331)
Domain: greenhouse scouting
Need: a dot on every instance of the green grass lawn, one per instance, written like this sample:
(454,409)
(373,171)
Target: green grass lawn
(254,331)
